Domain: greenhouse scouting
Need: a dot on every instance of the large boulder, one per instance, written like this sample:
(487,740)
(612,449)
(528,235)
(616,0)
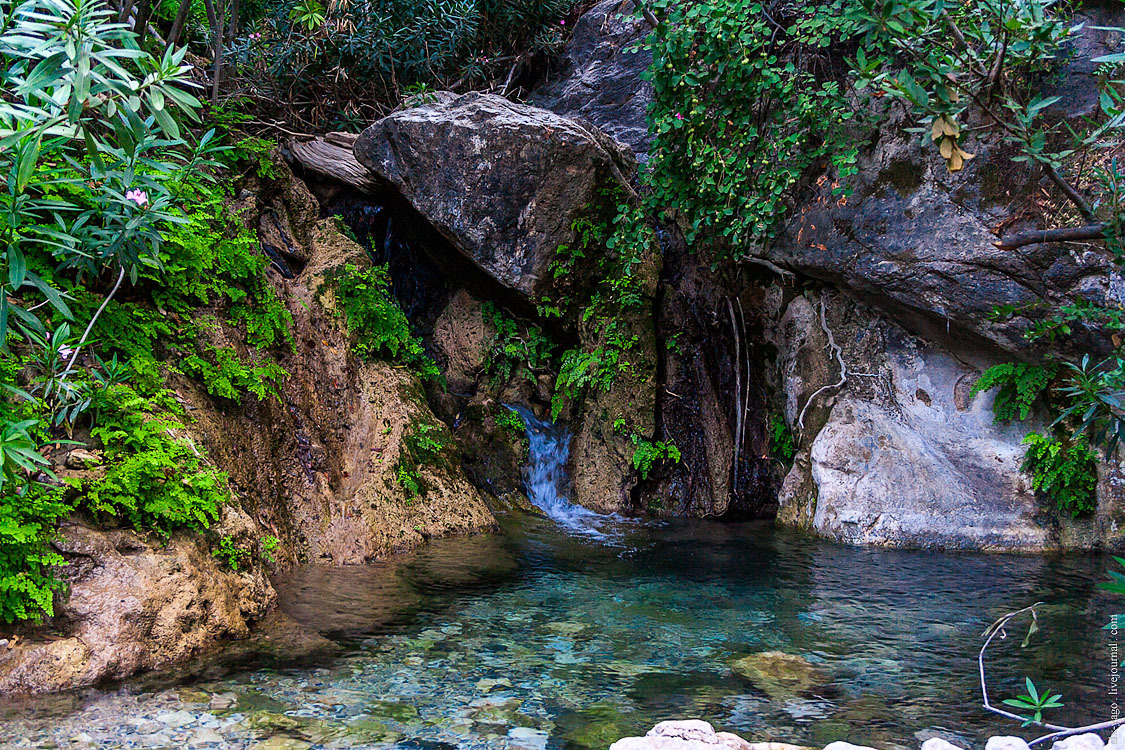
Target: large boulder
(503,182)
(135,604)
(600,74)
(903,455)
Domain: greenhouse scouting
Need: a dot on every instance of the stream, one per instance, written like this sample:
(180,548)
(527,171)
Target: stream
(571,630)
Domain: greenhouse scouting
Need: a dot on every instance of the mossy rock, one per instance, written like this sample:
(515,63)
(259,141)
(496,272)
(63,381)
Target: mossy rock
(780,675)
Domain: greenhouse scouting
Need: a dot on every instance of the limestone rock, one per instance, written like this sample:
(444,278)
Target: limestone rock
(902,456)
(690,734)
(80,458)
(840,745)
(937,743)
(1088,741)
(1005,743)
(136,606)
(600,75)
(461,341)
(503,182)
(320,465)
(780,675)
(917,242)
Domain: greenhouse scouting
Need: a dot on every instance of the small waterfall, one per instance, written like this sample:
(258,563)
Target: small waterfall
(545,475)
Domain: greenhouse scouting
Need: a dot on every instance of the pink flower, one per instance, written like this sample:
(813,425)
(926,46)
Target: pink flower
(137,195)
(562,23)
(679,116)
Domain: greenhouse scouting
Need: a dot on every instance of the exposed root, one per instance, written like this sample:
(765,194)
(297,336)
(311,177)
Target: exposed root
(839,353)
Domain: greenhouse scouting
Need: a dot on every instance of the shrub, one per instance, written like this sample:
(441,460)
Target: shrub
(782,445)
(516,348)
(375,50)
(647,453)
(745,104)
(27,525)
(153,480)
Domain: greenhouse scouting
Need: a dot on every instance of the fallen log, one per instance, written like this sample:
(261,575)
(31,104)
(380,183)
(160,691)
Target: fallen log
(331,157)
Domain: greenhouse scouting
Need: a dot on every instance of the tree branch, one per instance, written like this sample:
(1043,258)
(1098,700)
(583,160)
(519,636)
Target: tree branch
(648,16)
(998,629)
(90,325)
(1064,234)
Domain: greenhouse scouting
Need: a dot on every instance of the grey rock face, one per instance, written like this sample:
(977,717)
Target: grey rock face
(917,242)
(902,456)
(600,77)
(503,182)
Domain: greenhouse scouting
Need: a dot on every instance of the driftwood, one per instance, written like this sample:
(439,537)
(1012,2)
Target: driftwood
(331,157)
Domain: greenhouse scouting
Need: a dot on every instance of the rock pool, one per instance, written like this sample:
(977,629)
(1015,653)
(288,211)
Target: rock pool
(538,638)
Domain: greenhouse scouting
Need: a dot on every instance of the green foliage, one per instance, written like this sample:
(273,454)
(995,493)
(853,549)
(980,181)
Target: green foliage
(379,326)
(225,375)
(424,445)
(379,50)
(153,479)
(617,301)
(1020,384)
(782,445)
(231,554)
(1066,472)
(27,525)
(517,348)
(1035,702)
(1095,400)
(511,422)
(648,453)
(268,545)
(745,104)
(91,147)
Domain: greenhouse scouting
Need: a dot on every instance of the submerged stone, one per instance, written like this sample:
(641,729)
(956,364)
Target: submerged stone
(780,675)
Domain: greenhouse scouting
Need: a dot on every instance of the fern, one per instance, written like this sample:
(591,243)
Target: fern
(377,323)
(1066,472)
(1020,384)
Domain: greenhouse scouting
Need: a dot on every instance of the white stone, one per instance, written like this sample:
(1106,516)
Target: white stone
(937,743)
(206,737)
(1117,739)
(1089,741)
(1005,743)
(176,719)
(840,745)
(528,739)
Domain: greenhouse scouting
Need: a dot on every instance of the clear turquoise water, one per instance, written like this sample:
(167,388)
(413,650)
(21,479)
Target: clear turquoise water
(536,638)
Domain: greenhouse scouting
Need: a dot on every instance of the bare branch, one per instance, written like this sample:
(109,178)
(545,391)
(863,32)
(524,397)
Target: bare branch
(998,628)
(639,5)
(1064,234)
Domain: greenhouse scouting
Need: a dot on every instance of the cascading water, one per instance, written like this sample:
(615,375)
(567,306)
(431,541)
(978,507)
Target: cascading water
(545,475)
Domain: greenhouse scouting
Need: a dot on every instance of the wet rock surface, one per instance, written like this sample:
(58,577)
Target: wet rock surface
(902,455)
